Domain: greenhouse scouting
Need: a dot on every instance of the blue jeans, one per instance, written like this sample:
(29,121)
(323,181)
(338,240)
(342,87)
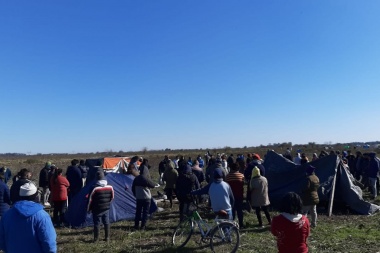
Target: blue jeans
(142,211)
(101,217)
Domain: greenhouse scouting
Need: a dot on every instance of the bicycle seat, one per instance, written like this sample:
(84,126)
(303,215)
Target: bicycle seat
(222,213)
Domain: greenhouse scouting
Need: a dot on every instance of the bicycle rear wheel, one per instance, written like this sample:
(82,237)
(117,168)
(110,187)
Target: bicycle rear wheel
(225,238)
(183,233)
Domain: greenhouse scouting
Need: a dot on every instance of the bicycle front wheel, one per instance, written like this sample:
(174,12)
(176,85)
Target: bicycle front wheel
(183,233)
(225,238)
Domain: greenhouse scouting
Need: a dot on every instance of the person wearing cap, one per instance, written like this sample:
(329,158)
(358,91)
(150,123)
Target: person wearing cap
(220,192)
(213,165)
(26,227)
(43,182)
(309,194)
(99,203)
(259,195)
(186,182)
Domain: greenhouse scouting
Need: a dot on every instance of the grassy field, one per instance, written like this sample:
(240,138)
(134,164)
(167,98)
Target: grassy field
(339,233)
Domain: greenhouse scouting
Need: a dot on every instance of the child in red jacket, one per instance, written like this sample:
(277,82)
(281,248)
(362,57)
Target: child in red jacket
(290,227)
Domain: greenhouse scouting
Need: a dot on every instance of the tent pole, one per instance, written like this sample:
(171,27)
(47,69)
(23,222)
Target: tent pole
(331,200)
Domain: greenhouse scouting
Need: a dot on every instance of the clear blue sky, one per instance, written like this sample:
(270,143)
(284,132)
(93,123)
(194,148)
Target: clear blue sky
(88,76)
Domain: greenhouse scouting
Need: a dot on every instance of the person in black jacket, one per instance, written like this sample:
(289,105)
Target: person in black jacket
(99,204)
(186,182)
(44,184)
(20,179)
(74,175)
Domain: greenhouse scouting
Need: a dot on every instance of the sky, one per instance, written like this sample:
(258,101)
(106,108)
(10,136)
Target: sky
(123,75)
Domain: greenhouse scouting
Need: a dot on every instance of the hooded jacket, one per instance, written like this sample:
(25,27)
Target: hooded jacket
(141,184)
(292,232)
(100,197)
(186,182)
(310,190)
(28,223)
(170,176)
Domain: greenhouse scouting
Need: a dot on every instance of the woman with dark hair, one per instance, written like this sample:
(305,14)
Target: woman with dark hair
(291,227)
(58,186)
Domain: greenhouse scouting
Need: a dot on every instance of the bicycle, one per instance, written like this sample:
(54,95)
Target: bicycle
(223,236)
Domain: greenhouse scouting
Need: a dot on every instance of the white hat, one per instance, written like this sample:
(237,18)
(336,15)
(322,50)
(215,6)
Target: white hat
(27,189)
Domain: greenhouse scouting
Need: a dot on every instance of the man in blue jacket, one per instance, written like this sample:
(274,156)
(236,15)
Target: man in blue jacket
(26,227)
(221,196)
(373,172)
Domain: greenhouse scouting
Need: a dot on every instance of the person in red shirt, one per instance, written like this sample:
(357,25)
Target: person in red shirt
(236,181)
(58,186)
(291,227)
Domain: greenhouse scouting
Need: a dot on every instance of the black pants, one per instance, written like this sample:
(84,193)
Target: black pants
(142,211)
(238,208)
(59,211)
(258,214)
(169,195)
(184,204)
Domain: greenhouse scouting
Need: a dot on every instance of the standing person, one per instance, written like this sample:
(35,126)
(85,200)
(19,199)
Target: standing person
(225,163)
(186,182)
(200,161)
(7,174)
(140,189)
(291,228)
(74,176)
(309,195)
(304,158)
(373,172)
(259,195)
(84,169)
(5,198)
(230,160)
(26,227)
(288,155)
(255,162)
(236,181)
(170,177)
(315,157)
(20,179)
(198,172)
(221,196)
(297,159)
(59,185)
(99,204)
(161,168)
(43,182)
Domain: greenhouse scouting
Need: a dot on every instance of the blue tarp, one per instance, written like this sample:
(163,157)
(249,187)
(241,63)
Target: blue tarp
(122,207)
(285,176)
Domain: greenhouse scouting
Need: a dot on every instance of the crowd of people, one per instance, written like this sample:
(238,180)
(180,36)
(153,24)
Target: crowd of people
(225,183)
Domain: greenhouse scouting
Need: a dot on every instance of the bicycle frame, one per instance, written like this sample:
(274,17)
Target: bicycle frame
(200,222)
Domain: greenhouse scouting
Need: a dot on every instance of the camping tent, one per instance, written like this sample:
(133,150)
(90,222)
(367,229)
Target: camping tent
(110,164)
(122,207)
(285,176)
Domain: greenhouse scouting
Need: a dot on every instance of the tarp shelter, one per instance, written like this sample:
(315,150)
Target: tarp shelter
(122,207)
(285,176)
(110,164)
